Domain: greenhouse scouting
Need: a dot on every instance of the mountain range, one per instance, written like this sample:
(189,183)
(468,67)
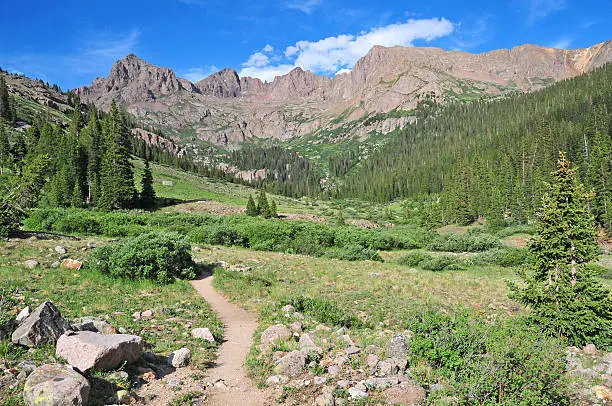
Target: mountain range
(376,97)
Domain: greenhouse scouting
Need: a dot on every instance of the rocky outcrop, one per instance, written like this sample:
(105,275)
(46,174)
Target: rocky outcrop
(55,385)
(44,326)
(87,350)
(228,110)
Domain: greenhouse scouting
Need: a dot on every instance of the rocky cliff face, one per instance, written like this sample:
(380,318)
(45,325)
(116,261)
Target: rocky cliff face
(227,110)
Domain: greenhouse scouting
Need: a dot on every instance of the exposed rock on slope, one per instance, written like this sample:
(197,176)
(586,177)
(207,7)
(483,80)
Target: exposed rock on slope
(227,110)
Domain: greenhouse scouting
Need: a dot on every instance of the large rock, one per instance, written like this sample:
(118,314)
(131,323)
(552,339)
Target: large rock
(73,264)
(273,334)
(55,385)
(406,395)
(85,350)
(203,333)
(30,263)
(291,364)
(44,326)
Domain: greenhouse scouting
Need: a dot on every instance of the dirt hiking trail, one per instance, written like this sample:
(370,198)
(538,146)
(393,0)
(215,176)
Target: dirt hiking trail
(232,386)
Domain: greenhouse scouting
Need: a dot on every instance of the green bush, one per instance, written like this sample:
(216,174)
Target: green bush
(324,311)
(502,362)
(414,258)
(158,256)
(442,263)
(354,252)
(506,257)
(469,242)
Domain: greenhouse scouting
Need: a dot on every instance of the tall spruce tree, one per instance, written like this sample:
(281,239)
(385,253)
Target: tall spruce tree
(272,211)
(94,146)
(251,208)
(262,203)
(5,103)
(5,149)
(599,178)
(147,195)
(563,293)
(117,190)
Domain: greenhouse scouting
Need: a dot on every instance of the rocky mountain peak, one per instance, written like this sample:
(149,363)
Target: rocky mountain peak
(225,84)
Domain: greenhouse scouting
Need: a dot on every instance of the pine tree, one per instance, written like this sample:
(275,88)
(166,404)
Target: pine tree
(272,211)
(117,190)
(4,149)
(147,195)
(5,104)
(19,151)
(598,177)
(93,143)
(251,208)
(263,208)
(564,295)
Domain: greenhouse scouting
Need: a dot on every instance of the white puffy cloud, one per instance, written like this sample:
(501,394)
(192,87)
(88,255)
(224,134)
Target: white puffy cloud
(333,54)
(305,6)
(268,48)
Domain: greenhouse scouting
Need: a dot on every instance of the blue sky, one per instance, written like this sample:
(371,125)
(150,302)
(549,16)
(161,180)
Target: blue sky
(72,42)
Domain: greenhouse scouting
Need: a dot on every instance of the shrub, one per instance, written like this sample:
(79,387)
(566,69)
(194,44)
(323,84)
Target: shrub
(158,256)
(507,362)
(442,263)
(465,242)
(414,258)
(506,257)
(324,311)
(354,252)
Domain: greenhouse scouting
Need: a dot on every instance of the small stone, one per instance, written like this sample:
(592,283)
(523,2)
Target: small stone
(149,376)
(56,264)
(590,349)
(372,362)
(147,313)
(276,380)
(203,333)
(173,382)
(136,316)
(119,375)
(334,370)
(355,393)
(179,358)
(385,368)
(91,244)
(319,380)
(288,309)
(347,339)
(323,328)
(95,324)
(380,383)
(30,263)
(343,383)
(296,327)
(352,351)
(306,342)
(27,366)
(298,315)
(60,250)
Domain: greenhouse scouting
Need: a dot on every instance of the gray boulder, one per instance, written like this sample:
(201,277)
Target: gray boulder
(85,350)
(273,334)
(30,263)
(23,314)
(179,358)
(291,364)
(55,385)
(60,250)
(203,333)
(44,326)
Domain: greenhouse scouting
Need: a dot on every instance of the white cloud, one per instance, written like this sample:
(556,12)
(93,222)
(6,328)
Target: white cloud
(539,9)
(305,6)
(109,46)
(257,60)
(196,74)
(562,43)
(268,48)
(342,71)
(331,54)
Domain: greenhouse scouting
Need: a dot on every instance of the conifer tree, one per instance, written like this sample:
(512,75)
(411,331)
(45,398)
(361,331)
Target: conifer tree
(272,211)
(117,190)
(599,178)
(19,151)
(564,295)
(263,208)
(5,106)
(251,208)
(4,149)
(93,143)
(147,195)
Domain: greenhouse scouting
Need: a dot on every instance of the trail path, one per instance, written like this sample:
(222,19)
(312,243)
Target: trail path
(233,387)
